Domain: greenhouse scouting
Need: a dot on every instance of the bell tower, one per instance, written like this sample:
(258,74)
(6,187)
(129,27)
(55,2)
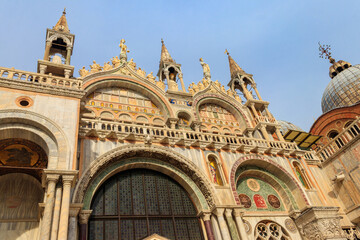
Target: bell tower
(170,70)
(58,50)
(263,119)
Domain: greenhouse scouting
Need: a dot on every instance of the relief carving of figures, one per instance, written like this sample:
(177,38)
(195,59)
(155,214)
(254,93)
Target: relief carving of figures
(107,66)
(206,69)
(173,86)
(83,72)
(141,72)
(206,82)
(150,77)
(195,87)
(223,89)
(115,61)
(191,91)
(132,64)
(238,98)
(95,67)
(230,93)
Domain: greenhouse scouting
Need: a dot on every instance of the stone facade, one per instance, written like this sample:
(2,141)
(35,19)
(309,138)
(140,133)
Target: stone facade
(219,153)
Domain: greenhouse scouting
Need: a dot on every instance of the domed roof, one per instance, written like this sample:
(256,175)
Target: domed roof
(343,90)
(285,126)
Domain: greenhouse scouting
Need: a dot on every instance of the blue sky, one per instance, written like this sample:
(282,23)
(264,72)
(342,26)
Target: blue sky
(276,41)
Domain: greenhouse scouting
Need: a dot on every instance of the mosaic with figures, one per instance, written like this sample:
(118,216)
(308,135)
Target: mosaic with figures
(216,118)
(256,194)
(137,203)
(124,104)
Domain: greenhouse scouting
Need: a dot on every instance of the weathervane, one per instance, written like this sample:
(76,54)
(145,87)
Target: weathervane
(325,52)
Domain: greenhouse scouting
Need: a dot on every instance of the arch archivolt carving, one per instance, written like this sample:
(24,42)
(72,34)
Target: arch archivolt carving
(153,157)
(299,200)
(222,101)
(37,128)
(142,87)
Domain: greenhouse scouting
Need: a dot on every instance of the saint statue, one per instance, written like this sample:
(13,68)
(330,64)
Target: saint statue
(132,64)
(206,69)
(123,50)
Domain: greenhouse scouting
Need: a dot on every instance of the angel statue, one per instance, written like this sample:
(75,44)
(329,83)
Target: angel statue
(206,69)
(124,50)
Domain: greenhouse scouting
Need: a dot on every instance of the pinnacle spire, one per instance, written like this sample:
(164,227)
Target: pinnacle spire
(165,55)
(234,67)
(62,25)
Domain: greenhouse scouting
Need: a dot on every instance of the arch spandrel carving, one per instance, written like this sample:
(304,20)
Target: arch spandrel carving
(124,157)
(272,167)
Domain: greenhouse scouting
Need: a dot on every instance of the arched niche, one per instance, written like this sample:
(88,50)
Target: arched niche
(19,206)
(229,107)
(276,175)
(132,84)
(156,158)
(39,129)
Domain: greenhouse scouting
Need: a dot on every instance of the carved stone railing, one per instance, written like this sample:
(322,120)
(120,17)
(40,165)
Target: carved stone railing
(341,141)
(264,119)
(42,79)
(129,131)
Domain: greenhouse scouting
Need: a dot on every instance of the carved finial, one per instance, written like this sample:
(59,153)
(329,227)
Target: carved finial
(325,52)
(162,41)
(64,12)
(226,51)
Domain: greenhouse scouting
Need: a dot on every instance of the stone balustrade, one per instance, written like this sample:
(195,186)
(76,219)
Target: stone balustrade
(129,131)
(344,139)
(42,79)
(264,119)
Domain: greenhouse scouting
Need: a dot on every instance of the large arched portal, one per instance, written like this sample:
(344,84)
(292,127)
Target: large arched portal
(137,203)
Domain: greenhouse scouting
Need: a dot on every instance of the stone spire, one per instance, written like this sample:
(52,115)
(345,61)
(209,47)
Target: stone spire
(165,55)
(234,67)
(62,25)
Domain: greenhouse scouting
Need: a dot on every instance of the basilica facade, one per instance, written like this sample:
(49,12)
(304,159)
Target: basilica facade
(119,153)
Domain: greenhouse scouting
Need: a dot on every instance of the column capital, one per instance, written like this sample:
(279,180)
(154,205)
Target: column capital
(219,212)
(69,179)
(238,212)
(84,216)
(206,216)
(228,212)
(75,209)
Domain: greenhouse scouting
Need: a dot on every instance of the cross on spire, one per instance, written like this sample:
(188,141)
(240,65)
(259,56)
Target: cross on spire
(325,52)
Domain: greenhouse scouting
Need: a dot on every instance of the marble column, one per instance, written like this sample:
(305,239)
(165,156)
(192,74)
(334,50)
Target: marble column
(219,212)
(56,216)
(73,223)
(182,82)
(68,55)
(216,228)
(209,231)
(47,50)
(264,132)
(65,205)
(240,224)
(278,133)
(84,216)
(256,91)
(232,227)
(48,211)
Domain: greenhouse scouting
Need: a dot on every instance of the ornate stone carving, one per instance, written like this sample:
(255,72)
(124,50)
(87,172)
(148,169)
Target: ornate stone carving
(95,67)
(206,69)
(290,225)
(150,77)
(83,72)
(107,66)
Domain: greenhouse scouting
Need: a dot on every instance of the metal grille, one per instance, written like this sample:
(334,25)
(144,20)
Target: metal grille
(139,202)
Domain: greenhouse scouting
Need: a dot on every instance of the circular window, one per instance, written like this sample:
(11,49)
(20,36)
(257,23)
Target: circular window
(24,102)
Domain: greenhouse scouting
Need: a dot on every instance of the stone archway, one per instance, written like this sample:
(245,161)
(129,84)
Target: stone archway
(37,128)
(153,157)
(271,167)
